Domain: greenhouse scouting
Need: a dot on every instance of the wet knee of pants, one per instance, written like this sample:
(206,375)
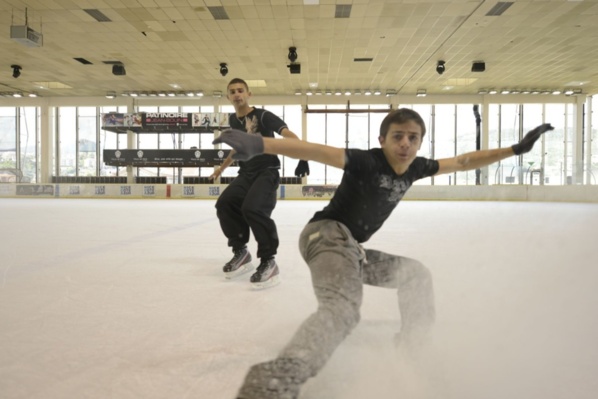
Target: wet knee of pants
(415,271)
(341,311)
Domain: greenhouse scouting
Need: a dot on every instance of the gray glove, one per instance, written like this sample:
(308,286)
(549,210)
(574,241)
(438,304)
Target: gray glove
(527,143)
(246,145)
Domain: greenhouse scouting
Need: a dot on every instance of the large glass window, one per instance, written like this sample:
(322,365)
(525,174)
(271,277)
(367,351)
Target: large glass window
(67,141)
(556,172)
(29,143)
(593,170)
(451,130)
(316,133)
(8,138)
(533,169)
(444,138)
(88,138)
(503,130)
(467,140)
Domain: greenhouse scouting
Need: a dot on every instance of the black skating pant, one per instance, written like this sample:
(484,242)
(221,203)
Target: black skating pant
(247,203)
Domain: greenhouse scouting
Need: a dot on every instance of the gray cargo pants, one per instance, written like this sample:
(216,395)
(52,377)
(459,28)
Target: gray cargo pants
(339,267)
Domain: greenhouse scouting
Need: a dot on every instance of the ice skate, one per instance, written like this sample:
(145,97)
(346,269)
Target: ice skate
(239,264)
(277,379)
(266,275)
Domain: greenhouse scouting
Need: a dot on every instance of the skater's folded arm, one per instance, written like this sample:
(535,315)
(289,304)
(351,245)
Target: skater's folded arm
(299,149)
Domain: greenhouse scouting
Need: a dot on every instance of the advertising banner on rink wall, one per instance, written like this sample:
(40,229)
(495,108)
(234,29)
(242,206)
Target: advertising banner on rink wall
(166,158)
(123,191)
(578,194)
(151,120)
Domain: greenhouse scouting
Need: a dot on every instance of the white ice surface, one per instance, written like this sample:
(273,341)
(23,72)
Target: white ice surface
(126,299)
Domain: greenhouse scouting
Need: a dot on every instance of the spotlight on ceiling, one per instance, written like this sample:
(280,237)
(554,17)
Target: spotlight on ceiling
(440,68)
(292,54)
(118,70)
(223,68)
(16,71)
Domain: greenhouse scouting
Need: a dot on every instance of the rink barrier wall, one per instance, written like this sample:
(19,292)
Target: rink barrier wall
(571,193)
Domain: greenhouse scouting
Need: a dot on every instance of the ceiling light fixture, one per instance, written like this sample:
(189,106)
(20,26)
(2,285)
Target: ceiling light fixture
(421,93)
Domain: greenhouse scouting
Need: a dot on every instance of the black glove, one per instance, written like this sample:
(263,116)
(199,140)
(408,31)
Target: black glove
(302,169)
(527,143)
(246,145)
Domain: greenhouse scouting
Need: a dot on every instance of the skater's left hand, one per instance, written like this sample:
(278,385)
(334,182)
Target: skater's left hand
(246,145)
(302,169)
(527,143)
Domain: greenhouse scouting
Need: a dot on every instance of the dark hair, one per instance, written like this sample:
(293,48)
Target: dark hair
(237,80)
(399,116)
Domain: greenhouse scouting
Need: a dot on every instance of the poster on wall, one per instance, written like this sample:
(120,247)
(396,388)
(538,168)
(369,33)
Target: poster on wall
(167,119)
(210,119)
(113,119)
(163,122)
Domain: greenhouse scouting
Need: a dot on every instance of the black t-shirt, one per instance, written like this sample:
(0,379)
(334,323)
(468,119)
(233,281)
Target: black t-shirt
(370,190)
(258,121)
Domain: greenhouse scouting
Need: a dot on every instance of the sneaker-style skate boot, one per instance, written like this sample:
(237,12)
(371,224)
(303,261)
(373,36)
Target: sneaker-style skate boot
(239,264)
(266,275)
(277,379)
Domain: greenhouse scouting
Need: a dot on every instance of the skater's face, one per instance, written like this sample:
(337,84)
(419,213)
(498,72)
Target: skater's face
(238,94)
(401,144)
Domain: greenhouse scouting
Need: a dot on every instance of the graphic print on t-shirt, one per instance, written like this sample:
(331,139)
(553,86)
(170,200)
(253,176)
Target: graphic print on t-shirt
(396,188)
(251,125)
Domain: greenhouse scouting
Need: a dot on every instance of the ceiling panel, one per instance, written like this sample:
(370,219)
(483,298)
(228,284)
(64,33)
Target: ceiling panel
(545,44)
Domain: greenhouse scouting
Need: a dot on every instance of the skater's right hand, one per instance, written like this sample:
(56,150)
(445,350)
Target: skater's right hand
(527,143)
(246,145)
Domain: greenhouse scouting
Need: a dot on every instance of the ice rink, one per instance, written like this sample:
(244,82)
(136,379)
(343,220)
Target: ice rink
(125,299)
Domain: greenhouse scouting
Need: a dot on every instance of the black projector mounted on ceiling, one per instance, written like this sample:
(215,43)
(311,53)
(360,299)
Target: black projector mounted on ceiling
(295,68)
(478,66)
(118,70)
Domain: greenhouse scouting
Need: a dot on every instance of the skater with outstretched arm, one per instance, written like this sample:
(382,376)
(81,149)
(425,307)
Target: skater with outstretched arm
(373,183)
(248,201)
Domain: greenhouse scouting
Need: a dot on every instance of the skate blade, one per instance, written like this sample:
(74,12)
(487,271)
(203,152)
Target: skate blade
(266,284)
(246,268)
